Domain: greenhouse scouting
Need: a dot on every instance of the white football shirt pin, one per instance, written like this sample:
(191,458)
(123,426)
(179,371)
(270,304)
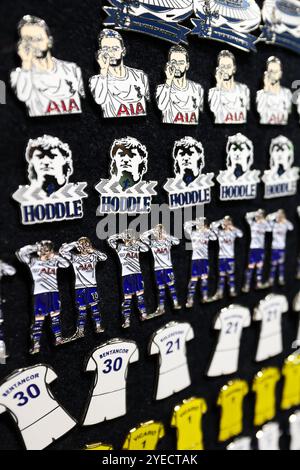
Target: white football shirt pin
(50,196)
(47,86)
(161,243)
(269,312)
(268,437)
(84,259)
(44,262)
(121,91)
(229,100)
(227,234)
(5,270)
(159,19)
(179,99)
(294,431)
(170,343)
(200,234)
(128,247)
(238,181)
(26,396)
(109,362)
(296,308)
(281,24)
(241,443)
(190,186)
(126,192)
(298,258)
(229,22)
(280,227)
(274,102)
(282,178)
(230,321)
(259,226)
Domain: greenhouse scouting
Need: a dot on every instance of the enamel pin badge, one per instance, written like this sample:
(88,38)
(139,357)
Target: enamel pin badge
(187,419)
(282,178)
(281,24)
(231,398)
(280,226)
(126,192)
(268,437)
(238,181)
(160,18)
(5,270)
(190,186)
(179,99)
(49,197)
(229,100)
(227,21)
(264,387)
(121,91)
(46,85)
(145,436)
(274,102)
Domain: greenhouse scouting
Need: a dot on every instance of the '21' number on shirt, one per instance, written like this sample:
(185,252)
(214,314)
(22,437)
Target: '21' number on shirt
(112,365)
(172,346)
(32,392)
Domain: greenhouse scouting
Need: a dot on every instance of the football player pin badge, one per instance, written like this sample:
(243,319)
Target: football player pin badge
(189,186)
(5,270)
(229,100)
(46,85)
(50,196)
(179,99)
(274,102)
(282,178)
(126,191)
(238,181)
(121,91)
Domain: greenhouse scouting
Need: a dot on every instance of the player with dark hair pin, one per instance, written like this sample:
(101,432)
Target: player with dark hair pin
(188,155)
(46,85)
(179,99)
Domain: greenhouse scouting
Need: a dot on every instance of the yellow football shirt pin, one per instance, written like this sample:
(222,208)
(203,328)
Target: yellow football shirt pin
(291,387)
(264,386)
(230,400)
(46,85)
(187,419)
(145,436)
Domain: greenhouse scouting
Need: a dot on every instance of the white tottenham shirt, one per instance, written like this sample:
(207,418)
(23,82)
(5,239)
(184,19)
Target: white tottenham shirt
(108,397)
(279,232)
(230,106)
(40,89)
(121,96)
(170,343)
(84,267)
(268,437)
(200,240)
(180,105)
(294,421)
(226,240)
(258,233)
(39,417)
(129,257)
(242,443)
(269,312)
(274,108)
(230,321)
(296,307)
(161,250)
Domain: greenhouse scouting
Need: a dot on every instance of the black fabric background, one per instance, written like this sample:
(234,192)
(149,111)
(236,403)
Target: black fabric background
(75,26)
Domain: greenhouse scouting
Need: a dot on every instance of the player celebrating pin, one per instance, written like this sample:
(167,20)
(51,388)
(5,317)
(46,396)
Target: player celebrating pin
(121,91)
(128,247)
(258,228)
(226,233)
(200,234)
(84,258)
(179,99)
(229,100)
(160,243)
(43,263)
(280,226)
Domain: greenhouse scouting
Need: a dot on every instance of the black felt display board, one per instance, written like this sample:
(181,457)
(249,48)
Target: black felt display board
(75,25)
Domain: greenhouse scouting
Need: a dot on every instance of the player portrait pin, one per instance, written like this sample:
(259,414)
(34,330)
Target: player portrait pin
(5,270)
(229,100)
(229,22)
(119,90)
(46,85)
(190,186)
(159,19)
(281,24)
(282,178)
(274,102)
(50,196)
(126,191)
(179,99)
(238,181)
